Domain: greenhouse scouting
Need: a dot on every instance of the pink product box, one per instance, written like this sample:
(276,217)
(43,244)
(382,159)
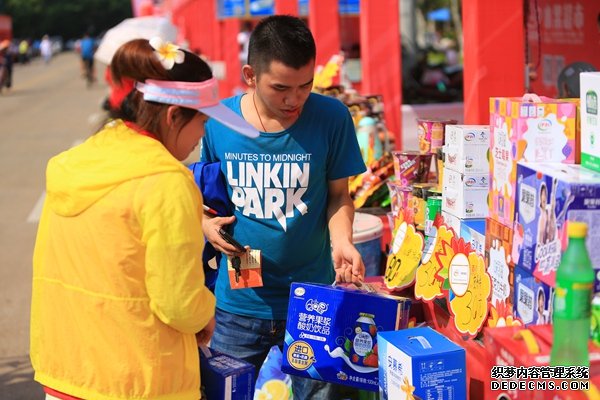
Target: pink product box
(399,196)
(411,167)
(431,134)
(522,130)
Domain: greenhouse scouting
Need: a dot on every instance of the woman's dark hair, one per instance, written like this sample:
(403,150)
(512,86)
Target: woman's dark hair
(545,189)
(281,38)
(136,60)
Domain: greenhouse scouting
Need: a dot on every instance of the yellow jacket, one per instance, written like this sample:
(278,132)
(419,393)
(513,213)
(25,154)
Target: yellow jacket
(118,285)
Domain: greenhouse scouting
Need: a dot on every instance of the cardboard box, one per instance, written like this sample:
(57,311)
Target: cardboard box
(499,261)
(564,192)
(522,130)
(225,377)
(331,333)
(420,363)
(507,347)
(589,83)
(465,195)
(466,148)
(471,230)
(532,303)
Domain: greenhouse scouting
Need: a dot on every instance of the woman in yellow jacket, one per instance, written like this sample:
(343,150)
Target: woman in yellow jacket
(118,284)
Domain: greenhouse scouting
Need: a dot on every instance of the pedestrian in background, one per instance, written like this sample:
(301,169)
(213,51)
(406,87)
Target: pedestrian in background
(24,51)
(118,283)
(46,49)
(295,211)
(5,65)
(87,48)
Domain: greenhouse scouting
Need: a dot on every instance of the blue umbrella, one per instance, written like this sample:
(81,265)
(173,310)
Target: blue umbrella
(441,14)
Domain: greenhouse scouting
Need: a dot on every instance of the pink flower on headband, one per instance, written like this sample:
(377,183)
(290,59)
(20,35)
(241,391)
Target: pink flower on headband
(167,53)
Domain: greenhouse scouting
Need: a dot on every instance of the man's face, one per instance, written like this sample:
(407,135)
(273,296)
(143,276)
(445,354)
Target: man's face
(283,90)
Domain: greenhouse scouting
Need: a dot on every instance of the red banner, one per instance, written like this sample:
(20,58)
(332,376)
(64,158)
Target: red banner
(560,33)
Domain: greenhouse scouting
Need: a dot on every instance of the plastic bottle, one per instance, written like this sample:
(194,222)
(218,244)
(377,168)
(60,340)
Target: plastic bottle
(572,301)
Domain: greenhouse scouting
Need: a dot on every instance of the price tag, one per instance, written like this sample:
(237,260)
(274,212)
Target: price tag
(249,273)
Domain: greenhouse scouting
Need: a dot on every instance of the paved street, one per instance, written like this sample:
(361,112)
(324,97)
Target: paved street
(48,110)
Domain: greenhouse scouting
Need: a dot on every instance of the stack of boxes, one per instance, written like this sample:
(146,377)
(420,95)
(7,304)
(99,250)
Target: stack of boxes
(466,182)
(528,130)
(550,194)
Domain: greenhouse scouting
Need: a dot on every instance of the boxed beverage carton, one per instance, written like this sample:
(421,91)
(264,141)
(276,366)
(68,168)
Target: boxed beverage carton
(225,377)
(420,363)
(331,333)
(532,303)
(499,258)
(466,148)
(548,195)
(465,195)
(589,83)
(527,129)
(471,230)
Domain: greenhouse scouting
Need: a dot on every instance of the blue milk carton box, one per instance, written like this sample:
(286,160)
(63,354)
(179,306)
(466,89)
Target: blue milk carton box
(533,299)
(420,363)
(225,377)
(548,195)
(471,230)
(331,333)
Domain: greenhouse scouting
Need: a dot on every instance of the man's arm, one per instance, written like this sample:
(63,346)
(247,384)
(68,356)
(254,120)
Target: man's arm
(347,261)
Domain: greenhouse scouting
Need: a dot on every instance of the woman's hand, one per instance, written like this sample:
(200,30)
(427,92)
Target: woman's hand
(203,337)
(211,226)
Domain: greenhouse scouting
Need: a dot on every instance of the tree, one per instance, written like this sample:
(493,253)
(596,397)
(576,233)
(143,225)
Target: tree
(457,20)
(66,18)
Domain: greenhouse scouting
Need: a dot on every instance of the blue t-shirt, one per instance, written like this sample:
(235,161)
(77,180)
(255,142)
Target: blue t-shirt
(87,48)
(278,184)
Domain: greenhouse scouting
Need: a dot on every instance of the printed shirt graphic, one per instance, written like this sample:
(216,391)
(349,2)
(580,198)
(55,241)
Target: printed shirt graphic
(278,184)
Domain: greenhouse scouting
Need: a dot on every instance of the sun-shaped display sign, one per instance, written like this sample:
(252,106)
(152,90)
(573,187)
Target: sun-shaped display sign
(405,257)
(433,271)
(471,287)
(451,269)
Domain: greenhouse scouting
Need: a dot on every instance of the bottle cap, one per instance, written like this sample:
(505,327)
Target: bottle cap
(576,229)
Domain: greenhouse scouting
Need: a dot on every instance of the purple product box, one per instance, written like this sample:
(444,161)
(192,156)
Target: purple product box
(549,195)
(533,299)
(225,377)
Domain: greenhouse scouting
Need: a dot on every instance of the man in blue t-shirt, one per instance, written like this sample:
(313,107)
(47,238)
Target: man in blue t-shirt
(87,48)
(290,191)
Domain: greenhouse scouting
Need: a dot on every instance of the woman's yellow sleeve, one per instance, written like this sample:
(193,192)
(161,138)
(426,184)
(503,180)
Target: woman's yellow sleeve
(170,213)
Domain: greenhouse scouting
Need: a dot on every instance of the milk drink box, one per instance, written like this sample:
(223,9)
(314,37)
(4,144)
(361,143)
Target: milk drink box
(331,333)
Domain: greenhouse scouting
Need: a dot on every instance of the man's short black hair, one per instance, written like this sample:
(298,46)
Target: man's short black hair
(281,38)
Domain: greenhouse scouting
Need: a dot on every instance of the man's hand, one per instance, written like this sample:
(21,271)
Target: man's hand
(348,264)
(211,226)
(203,337)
